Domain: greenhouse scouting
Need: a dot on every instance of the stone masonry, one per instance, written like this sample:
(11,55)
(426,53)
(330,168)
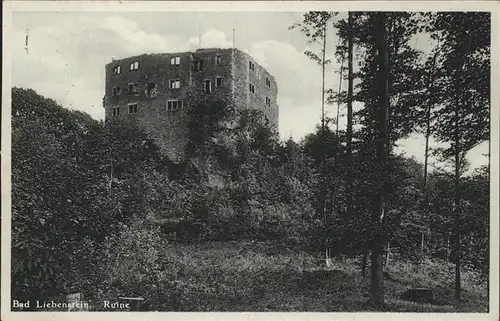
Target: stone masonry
(152,89)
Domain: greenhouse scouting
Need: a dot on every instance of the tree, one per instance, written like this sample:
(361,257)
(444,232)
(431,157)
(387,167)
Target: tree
(349,134)
(314,26)
(431,98)
(475,223)
(345,32)
(403,84)
(464,115)
(379,206)
(321,150)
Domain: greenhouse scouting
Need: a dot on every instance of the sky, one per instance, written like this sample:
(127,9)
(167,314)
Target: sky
(67,51)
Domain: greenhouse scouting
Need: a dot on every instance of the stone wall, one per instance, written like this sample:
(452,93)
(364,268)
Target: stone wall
(241,80)
(212,71)
(243,77)
(167,127)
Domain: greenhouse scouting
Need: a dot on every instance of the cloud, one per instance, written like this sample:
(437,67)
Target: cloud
(45,66)
(137,41)
(297,76)
(297,120)
(212,38)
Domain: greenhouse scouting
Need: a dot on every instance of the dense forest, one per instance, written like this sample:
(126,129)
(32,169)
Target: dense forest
(97,209)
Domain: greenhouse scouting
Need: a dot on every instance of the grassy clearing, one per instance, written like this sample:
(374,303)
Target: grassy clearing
(263,277)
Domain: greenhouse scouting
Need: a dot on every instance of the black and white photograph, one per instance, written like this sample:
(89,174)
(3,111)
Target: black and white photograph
(253,157)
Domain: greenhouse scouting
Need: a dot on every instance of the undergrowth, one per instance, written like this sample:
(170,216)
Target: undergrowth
(255,276)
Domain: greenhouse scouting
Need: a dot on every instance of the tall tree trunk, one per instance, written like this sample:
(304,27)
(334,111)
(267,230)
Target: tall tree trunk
(349,136)
(340,90)
(379,200)
(110,174)
(324,192)
(426,151)
(349,179)
(387,253)
(366,248)
(323,79)
(489,159)
(457,151)
(457,188)
(338,100)
(334,190)
(448,247)
(428,118)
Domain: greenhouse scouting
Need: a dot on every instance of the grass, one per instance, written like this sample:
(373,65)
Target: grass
(238,276)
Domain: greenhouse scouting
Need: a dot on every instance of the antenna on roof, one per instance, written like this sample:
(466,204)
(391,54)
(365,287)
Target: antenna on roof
(233,37)
(199,30)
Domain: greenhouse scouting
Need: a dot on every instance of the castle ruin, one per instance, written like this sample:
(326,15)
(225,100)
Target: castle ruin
(154,90)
